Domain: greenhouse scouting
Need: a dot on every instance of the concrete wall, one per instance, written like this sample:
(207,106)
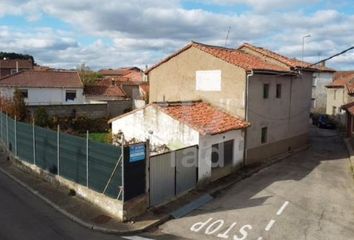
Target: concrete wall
(286,117)
(166,130)
(175,80)
(205,151)
(319,91)
(109,109)
(46,96)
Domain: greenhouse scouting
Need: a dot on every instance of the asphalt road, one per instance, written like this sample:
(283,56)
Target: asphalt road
(23,216)
(307,196)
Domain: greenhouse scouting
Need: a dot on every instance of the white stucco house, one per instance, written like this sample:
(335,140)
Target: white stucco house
(218,135)
(44,87)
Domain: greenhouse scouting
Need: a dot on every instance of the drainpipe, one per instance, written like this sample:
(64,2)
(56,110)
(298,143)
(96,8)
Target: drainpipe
(248,76)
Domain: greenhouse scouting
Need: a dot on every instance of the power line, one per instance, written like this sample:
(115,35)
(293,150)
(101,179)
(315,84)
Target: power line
(333,56)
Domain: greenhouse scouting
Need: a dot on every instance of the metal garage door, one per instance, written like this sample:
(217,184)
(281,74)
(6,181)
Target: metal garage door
(162,179)
(186,170)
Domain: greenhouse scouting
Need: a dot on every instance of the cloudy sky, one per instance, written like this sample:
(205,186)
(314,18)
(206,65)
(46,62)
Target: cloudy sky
(113,33)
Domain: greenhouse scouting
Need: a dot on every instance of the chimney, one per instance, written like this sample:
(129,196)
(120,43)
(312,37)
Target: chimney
(17,66)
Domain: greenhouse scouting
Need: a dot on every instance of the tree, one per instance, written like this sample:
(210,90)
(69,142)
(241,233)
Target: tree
(41,117)
(19,105)
(12,55)
(88,77)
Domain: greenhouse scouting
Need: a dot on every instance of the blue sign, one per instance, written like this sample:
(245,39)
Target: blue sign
(137,153)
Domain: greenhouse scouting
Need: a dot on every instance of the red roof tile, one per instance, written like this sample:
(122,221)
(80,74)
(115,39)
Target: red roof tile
(123,74)
(43,79)
(290,62)
(203,117)
(343,79)
(232,56)
(106,91)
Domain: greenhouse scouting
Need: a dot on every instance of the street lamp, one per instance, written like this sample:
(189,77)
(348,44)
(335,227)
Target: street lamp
(303,47)
(0,65)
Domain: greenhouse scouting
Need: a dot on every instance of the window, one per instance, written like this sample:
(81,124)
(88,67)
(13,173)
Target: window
(278,91)
(265,90)
(70,95)
(264,136)
(24,93)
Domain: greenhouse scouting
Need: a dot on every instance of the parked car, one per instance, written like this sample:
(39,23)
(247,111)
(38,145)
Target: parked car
(323,121)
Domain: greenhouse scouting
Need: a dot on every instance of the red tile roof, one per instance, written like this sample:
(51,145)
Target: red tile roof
(203,117)
(123,74)
(232,56)
(106,91)
(43,79)
(11,63)
(290,62)
(343,79)
(349,107)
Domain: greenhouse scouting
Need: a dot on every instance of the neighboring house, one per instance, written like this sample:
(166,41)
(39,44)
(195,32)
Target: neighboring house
(340,92)
(101,93)
(130,80)
(44,87)
(134,74)
(322,75)
(11,66)
(349,109)
(218,135)
(275,99)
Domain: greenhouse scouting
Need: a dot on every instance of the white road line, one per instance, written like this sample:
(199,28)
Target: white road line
(270,225)
(137,238)
(280,211)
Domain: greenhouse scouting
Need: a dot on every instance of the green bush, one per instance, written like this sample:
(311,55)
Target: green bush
(41,118)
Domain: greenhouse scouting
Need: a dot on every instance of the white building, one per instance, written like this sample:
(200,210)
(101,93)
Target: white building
(44,87)
(219,136)
(321,79)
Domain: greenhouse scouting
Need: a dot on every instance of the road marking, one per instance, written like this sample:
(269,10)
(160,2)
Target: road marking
(270,225)
(280,211)
(137,238)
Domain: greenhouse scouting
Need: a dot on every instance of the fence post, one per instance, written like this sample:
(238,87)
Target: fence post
(15,123)
(123,168)
(58,150)
(34,142)
(87,159)
(7,131)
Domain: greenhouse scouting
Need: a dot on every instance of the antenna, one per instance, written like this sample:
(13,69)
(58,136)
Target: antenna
(227,36)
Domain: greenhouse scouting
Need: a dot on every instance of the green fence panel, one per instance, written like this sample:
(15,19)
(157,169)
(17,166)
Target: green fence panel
(2,127)
(102,160)
(25,142)
(46,149)
(11,126)
(73,158)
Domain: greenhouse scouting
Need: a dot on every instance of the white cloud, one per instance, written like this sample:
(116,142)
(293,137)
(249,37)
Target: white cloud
(142,32)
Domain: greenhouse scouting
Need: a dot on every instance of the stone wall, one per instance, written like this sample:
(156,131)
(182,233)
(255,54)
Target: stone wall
(100,110)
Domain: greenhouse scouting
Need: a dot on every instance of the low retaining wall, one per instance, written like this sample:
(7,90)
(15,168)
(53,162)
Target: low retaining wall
(97,110)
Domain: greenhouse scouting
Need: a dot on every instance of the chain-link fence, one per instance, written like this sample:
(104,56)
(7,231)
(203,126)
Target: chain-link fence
(95,165)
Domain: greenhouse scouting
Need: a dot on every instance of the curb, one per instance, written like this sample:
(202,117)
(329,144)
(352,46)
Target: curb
(78,220)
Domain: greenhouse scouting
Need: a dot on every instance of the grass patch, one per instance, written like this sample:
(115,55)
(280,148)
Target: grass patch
(102,137)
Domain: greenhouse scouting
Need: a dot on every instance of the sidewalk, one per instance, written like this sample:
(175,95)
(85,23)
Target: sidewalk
(92,217)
